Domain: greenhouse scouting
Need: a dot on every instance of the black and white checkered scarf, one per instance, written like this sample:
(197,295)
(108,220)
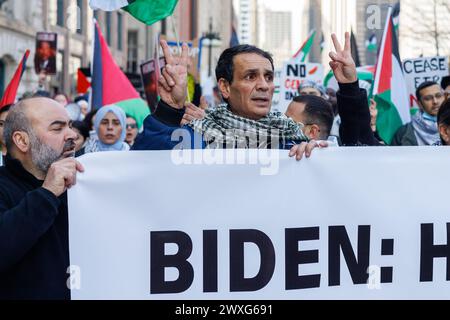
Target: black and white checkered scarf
(223,129)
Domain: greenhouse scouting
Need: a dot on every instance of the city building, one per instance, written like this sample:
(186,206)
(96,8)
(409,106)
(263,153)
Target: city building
(275,29)
(19,21)
(205,24)
(247,13)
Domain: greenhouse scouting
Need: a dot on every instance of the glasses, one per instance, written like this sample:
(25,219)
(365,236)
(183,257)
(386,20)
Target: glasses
(430,97)
(131,126)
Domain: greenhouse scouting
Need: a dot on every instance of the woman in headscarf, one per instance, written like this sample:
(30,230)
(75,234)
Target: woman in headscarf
(109,124)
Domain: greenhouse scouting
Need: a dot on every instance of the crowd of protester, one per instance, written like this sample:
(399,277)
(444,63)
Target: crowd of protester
(40,136)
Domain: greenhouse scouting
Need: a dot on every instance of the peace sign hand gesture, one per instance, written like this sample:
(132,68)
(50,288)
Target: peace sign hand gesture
(342,63)
(173,80)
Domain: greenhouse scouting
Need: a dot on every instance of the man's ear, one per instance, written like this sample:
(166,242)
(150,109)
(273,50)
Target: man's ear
(224,87)
(314,132)
(21,141)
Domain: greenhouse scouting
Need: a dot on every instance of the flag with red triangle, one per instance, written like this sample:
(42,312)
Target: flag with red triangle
(304,50)
(9,97)
(110,85)
(389,90)
(83,83)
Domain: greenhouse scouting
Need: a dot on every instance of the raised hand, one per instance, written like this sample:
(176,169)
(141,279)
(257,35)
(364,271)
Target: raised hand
(342,63)
(173,80)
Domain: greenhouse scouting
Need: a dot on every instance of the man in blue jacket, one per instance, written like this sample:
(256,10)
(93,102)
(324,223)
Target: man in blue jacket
(245,80)
(245,77)
(34,244)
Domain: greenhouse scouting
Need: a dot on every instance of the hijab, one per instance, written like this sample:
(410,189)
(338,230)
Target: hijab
(120,114)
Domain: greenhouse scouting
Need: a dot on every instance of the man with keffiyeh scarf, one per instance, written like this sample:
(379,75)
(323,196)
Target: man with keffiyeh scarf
(245,78)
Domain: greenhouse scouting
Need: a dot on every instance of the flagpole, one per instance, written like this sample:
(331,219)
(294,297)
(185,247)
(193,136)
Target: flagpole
(177,38)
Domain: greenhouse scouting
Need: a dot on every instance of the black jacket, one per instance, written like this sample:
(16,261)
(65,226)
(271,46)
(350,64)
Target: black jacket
(34,243)
(405,136)
(355,116)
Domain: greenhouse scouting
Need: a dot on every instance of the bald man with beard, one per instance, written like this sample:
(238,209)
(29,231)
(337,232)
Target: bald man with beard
(39,168)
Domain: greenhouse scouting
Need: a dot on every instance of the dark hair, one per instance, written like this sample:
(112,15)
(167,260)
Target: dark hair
(444,113)
(5,108)
(445,82)
(443,116)
(225,65)
(82,127)
(41,93)
(88,119)
(422,86)
(130,116)
(317,111)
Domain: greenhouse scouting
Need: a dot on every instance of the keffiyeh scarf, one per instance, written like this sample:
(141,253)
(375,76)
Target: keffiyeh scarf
(223,129)
(425,129)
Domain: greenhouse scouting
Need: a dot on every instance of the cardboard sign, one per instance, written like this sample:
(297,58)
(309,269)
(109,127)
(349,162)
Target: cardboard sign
(417,71)
(150,72)
(294,74)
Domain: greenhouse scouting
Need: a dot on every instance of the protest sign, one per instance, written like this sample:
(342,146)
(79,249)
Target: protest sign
(293,74)
(45,57)
(348,223)
(417,71)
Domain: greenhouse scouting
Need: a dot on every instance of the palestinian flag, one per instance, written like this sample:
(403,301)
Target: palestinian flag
(303,52)
(110,85)
(396,15)
(371,44)
(389,89)
(354,48)
(322,43)
(83,83)
(9,97)
(146,11)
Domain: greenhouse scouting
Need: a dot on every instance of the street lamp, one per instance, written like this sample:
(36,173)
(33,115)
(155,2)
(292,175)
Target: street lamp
(210,35)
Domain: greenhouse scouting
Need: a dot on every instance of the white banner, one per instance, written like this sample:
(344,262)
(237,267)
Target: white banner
(293,74)
(347,223)
(417,71)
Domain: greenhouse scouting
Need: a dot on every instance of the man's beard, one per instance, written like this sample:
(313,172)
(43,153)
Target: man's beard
(43,156)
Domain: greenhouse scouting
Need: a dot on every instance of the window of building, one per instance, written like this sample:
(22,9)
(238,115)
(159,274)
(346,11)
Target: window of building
(80,13)
(194,19)
(60,70)
(119,31)
(60,13)
(74,65)
(108,27)
(132,63)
